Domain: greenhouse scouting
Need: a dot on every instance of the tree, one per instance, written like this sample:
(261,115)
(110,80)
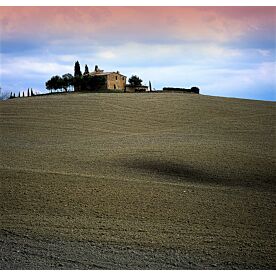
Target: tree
(32,93)
(49,85)
(86,70)
(134,81)
(77,81)
(77,70)
(67,81)
(77,77)
(99,82)
(85,82)
(90,83)
(150,86)
(55,83)
(28,92)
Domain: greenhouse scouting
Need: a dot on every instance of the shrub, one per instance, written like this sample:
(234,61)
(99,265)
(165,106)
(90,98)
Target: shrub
(195,90)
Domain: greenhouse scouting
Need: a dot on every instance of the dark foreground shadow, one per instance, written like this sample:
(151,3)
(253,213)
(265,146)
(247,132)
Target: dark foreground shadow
(188,173)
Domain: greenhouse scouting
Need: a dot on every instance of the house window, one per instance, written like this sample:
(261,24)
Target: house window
(116,77)
(114,87)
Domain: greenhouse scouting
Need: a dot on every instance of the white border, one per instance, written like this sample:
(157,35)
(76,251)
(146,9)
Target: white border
(138,3)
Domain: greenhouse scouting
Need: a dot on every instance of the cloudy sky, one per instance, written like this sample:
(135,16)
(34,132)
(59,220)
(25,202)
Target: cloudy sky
(226,51)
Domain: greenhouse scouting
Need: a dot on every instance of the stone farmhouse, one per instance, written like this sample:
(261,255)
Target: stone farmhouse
(114,80)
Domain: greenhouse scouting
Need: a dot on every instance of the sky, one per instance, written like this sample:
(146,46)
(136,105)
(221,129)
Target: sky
(225,51)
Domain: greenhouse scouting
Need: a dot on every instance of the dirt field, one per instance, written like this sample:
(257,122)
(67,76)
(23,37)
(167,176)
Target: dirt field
(137,181)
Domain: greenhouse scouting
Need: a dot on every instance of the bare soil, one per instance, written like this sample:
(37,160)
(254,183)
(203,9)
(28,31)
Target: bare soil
(137,181)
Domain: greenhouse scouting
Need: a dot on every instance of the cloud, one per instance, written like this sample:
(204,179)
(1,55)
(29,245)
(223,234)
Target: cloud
(107,55)
(254,83)
(66,58)
(139,54)
(216,70)
(33,67)
(225,51)
(137,24)
(264,53)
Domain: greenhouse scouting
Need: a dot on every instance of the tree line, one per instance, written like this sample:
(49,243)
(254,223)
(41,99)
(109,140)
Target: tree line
(78,82)
(82,81)
(29,93)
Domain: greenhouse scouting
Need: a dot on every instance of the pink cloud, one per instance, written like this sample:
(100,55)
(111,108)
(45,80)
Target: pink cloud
(184,23)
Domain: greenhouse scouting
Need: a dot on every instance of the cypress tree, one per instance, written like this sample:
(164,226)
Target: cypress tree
(28,92)
(77,70)
(86,70)
(18,94)
(150,86)
(77,77)
(32,93)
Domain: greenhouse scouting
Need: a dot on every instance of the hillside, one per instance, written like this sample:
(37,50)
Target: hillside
(137,181)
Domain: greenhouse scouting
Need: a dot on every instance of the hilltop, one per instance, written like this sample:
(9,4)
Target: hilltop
(137,181)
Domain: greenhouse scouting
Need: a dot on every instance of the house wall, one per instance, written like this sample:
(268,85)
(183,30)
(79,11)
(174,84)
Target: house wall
(116,81)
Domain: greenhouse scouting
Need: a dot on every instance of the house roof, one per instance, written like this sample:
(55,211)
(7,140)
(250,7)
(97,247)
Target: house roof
(104,73)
